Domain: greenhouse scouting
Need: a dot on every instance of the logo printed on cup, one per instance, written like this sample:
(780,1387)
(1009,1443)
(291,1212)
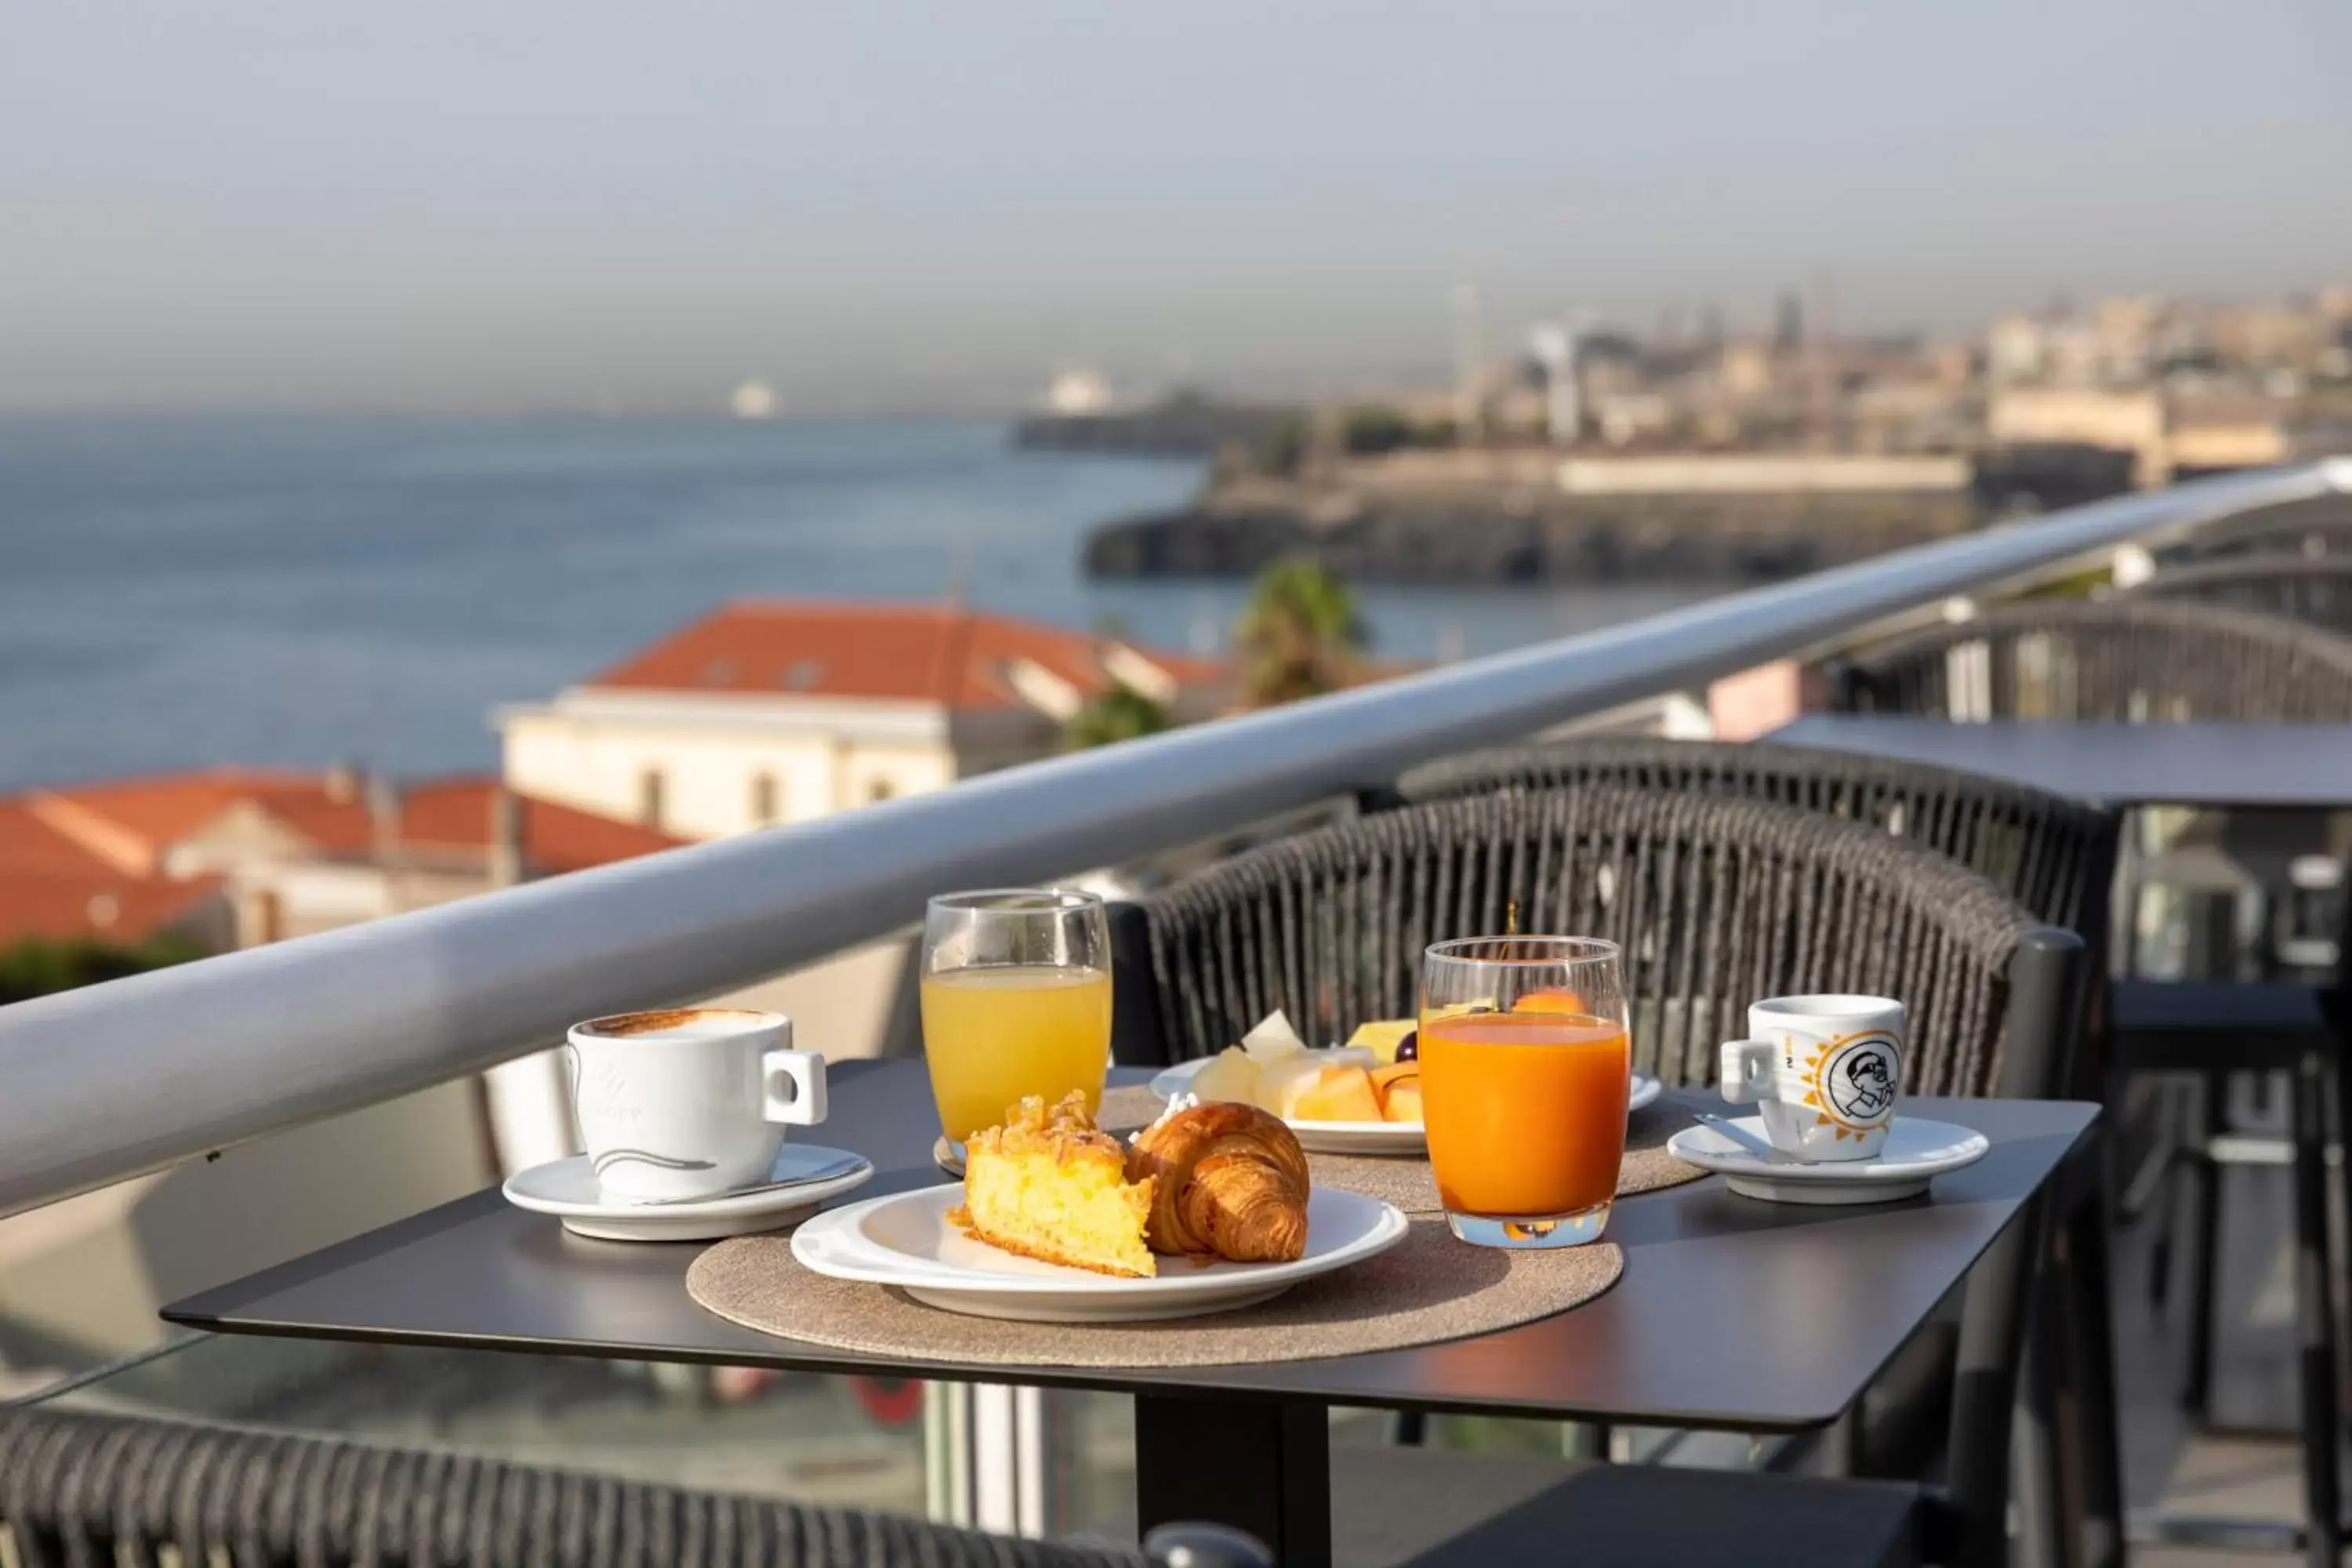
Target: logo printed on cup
(1854,1078)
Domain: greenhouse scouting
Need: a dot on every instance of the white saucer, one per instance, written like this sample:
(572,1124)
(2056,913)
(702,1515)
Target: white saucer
(568,1189)
(1361,1137)
(905,1240)
(1915,1151)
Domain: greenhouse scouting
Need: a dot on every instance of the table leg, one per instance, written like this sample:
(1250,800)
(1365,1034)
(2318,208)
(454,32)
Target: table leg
(2043,1518)
(2314,1315)
(2090,1369)
(2205,1240)
(1256,1465)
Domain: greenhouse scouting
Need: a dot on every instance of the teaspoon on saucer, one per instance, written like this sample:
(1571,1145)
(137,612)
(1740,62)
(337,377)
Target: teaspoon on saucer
(823,1173)
(1746,1140)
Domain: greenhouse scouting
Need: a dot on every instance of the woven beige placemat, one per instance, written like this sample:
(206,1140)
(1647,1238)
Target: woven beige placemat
(1427,1287)
(1405,1180)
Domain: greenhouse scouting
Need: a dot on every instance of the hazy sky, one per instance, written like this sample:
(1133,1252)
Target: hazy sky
(636,203)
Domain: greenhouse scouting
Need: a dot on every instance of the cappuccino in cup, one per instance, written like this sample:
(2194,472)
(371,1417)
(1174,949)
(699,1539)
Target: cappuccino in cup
(689,1103)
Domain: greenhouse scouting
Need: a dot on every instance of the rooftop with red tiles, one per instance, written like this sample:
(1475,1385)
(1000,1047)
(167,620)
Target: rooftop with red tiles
(941,653)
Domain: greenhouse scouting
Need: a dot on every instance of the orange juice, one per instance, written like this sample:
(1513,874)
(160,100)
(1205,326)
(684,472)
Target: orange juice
(1525,1112)
(993,1035)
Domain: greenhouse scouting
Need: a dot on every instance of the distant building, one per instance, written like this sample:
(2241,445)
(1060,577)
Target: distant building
(1710,328)
(1762,473)
(1917,413)
(1553,344)
(2168,437)
(54,888)
(1626,417)
(1745,370)
(768,711)
(2131,421)
(2269,335)
(237,857)
(779,711)
(2221,434)
(1788,324)
(2013,349)
(2130,329)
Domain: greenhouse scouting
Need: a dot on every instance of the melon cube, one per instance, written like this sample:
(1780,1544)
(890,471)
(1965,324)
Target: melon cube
(1335,1094)
(1278,1080)
(1398,1087)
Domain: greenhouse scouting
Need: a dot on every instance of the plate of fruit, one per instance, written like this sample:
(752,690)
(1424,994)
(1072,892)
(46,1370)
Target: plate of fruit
(1362,1097)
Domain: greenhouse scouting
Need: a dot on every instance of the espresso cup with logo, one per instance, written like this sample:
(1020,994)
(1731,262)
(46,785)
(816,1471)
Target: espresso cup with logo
(1823,1072)
(689,1103)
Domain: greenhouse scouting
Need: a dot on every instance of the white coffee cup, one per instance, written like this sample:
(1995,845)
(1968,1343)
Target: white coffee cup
(1824,1072)
(690,1101)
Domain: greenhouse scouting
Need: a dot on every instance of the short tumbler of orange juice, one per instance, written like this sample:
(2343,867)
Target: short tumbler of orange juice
(1524,1072)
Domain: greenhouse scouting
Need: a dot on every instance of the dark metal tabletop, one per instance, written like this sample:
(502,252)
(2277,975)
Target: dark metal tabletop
(1731,1313)
(2263,766)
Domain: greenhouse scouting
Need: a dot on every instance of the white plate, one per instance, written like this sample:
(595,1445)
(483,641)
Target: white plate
(1915,1151)
(1361,1137)
(568,1189)
(1323,1137)
(905,1240)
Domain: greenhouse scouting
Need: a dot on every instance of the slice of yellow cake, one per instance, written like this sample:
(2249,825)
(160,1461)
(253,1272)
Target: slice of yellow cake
(1049,1185)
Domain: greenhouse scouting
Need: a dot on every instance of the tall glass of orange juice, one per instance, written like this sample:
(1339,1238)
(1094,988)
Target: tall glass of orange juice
(1017,1001)
(1524,1072)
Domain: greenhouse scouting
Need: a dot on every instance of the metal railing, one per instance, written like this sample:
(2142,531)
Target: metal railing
(106,1082)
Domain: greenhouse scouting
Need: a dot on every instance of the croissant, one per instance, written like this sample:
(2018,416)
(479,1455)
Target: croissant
(1232,1183)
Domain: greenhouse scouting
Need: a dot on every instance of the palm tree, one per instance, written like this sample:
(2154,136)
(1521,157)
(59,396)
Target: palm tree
(1113,714)
(1299,635)
(36,967)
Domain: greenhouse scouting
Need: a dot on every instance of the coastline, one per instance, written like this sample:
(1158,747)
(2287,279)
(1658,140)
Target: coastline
(1553,540)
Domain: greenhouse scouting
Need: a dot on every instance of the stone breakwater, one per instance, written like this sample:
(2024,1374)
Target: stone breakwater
(1551,539)
(1183,427)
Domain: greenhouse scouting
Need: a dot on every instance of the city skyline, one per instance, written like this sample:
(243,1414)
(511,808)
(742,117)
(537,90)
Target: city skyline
(566,207)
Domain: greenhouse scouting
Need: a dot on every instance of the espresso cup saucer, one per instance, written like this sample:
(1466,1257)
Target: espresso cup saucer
(1915,1153)
(568,1189)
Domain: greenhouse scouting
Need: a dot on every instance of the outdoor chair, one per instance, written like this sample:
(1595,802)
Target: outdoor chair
(2148,658)
(2312,592)
(2055,856)
(2129,659)
(78,1488)
(2139,658)
(1718,903)
(2313,527)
